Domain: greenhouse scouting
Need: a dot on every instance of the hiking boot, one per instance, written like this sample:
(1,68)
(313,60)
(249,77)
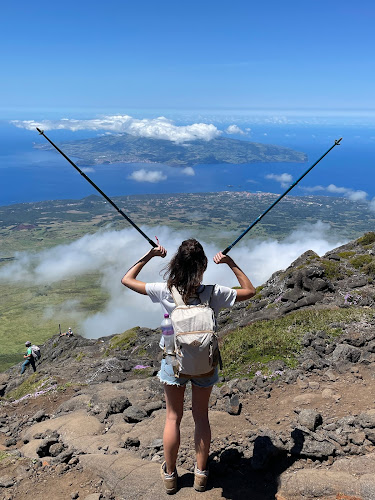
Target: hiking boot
(170,480)
(200,479)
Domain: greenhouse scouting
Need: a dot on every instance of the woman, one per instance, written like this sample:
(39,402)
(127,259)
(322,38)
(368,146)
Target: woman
(185,272)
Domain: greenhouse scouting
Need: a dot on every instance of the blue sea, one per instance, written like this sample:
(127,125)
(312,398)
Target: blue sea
(29,175)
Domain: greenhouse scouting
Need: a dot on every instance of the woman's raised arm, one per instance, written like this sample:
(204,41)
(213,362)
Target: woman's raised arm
(247,290)
(130,281)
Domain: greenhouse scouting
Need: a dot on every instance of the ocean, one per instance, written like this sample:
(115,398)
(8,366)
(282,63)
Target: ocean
(30,175)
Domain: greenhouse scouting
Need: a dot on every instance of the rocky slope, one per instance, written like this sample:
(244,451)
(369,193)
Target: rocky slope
(89,423)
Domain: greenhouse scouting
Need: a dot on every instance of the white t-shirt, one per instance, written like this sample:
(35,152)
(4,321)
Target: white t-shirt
(222,296)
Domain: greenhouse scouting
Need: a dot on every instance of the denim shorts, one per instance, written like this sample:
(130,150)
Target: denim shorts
(166,376)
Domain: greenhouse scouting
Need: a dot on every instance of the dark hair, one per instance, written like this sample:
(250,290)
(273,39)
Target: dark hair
(186,268)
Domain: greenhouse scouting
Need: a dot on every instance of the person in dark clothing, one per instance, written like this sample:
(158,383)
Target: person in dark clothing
(29,358)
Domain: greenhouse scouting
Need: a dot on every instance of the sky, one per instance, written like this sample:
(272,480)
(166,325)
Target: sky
(117,55)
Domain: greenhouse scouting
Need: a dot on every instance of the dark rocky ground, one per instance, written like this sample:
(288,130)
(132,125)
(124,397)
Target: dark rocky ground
(95,429)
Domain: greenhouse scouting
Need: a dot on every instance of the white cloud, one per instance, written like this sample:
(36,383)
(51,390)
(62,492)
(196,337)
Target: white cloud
(156,128)
(337,189)
(284,179)
(88,170)
(357,195)
(188,171)
(144,175)
(111,253)
(313,189)
(349,193)
(235,129)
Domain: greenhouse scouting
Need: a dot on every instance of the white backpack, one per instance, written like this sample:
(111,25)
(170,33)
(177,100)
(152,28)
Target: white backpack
(196,344)
(35,351)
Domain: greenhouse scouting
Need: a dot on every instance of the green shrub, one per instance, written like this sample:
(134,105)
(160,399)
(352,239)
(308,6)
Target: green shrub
(4,455)
(360,261)
(124,340)
(346,255)
(332,269)
(367,239)
(369,268)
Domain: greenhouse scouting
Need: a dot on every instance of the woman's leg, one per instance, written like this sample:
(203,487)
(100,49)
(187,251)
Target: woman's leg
(202,435)
(174,397)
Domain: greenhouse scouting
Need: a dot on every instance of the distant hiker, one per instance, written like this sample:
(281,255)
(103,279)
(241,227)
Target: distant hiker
(184,274)
(69,333)
(29,358)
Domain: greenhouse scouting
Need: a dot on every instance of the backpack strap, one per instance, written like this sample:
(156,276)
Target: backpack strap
(177,297)
(207,302)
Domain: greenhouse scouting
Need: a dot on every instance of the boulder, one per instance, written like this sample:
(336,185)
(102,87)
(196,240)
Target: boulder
(134,414)
(6,482)
(367,419)
(346,353)
(39,416)
(310,419)
(44,446)
(234,405)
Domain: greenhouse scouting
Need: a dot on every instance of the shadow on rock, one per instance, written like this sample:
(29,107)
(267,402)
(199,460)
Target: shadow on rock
(256,477)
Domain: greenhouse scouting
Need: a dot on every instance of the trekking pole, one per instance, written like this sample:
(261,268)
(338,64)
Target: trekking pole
(337,143)
(152,243)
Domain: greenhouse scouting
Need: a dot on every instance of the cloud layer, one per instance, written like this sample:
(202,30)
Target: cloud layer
(156,128)
(111,253)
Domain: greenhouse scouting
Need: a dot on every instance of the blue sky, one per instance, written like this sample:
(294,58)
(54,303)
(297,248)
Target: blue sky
(176,54)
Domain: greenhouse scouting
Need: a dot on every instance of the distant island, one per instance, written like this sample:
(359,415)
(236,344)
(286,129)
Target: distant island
(126,148)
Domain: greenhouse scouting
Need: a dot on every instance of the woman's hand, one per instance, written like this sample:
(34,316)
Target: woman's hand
(158,251)
(220,258)
(247,290)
